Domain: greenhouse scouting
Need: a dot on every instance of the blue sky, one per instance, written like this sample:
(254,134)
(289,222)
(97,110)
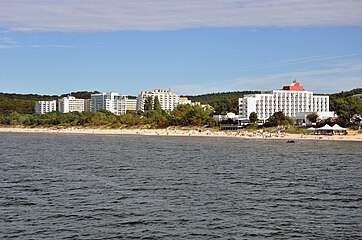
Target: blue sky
(190,46)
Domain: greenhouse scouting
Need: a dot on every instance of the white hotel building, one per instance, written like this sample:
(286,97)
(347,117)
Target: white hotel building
(290,100)
(131,104)
(70,104)
(113,102)
(43,107)
(168,99)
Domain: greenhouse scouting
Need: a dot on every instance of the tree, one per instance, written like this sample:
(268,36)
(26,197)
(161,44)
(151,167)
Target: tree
(157,105)
(148,103)
(346,107)
(253,118)
(312,117)
(278,118)
(181,115)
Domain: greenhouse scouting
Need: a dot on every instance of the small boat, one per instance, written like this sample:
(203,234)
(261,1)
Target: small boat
(290,141)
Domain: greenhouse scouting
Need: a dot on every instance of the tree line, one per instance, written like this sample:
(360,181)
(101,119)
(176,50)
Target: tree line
(183,115)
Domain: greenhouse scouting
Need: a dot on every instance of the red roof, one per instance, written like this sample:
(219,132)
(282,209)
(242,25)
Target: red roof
(293,87)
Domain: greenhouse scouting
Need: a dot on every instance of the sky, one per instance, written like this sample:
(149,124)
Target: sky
(190,46)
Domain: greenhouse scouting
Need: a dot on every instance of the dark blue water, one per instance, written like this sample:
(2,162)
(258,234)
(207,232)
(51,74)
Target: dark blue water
(113,187)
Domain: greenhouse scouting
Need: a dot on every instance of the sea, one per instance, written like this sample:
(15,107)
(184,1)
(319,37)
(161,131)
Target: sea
(69,186)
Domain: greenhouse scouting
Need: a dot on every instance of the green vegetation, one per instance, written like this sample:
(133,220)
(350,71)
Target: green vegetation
(278,119)
(25,103)
(21,103)
(313,117)
(80,94)
(347,107)
(222,102)
(253,118)
(157,105)
(184,115)
(148,104)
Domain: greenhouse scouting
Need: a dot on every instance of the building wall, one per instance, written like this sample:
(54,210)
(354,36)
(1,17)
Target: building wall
(113,102)
(168,99)
(43,107)
(301,118)
(87,105)
(70,104)
(289,102)
(184,101)
(131,104)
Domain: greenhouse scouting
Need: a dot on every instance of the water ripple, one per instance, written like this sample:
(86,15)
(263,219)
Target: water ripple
(125,187)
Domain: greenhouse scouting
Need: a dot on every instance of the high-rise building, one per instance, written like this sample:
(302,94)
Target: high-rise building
(168,99)
(290,100)
(70,104)
(113,102)
(43,107)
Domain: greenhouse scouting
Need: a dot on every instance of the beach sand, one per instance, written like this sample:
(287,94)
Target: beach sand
(177,132)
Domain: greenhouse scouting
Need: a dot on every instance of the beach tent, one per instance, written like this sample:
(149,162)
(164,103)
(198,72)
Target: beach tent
(325,130)
(328,130)
(339,130)
(325,127)
(337,127)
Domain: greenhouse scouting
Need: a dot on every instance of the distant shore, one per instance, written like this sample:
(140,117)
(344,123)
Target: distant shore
(177,132)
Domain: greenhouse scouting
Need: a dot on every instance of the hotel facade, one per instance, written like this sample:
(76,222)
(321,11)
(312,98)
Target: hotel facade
(290,100)
(168,99)
(70,104)
(131,105)
(43,107)
(113,102)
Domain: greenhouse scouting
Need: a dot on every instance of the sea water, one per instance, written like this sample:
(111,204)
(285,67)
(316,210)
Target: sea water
(58,186)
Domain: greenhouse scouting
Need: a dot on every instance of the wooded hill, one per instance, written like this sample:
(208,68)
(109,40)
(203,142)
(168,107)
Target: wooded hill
(222,102)
(25,103)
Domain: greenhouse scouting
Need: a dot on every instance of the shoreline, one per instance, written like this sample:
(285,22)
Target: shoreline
(184,133)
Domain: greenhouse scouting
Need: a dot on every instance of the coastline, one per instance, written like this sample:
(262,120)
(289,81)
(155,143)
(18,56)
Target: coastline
(185,133)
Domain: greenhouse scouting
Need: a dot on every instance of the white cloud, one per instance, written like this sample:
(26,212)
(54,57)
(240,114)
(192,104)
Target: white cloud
(317,58)
(60,46)
(8,43)
(335,78)
(116,15)
(2,46)
(8,40)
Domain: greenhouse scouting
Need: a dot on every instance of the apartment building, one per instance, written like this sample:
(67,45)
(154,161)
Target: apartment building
(70,104)
(131,105)
(290,100)
(111,101)
(43,107)
(168,99)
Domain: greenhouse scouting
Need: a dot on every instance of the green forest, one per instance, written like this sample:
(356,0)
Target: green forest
(25,103)
(223,102)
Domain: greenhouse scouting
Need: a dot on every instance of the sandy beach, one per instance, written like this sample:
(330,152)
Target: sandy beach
(189,133)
